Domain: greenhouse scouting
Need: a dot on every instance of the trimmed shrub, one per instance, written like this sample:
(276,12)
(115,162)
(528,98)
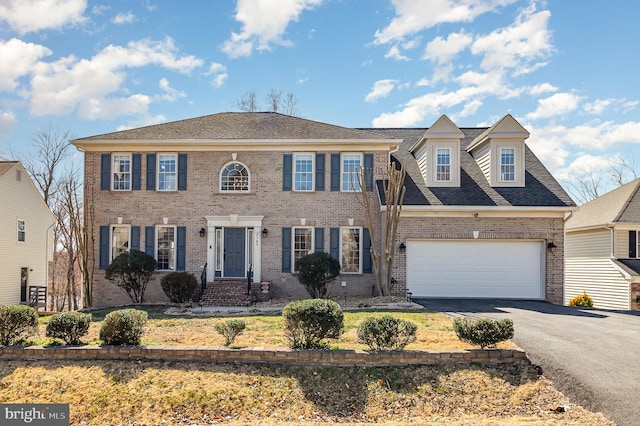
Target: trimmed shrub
(307,322)
(131,272)
(583,300)
(316,271)
(179,286)
(69,326)
(386,333)
(230,329)
(17,322)
(485,332)
(123,327)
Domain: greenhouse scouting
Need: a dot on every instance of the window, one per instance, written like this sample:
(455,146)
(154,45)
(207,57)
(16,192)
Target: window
(167,172)
(507,164)
(303,174)
(351,249)
(218,250)
(234,178)
(351,165)
(21,230)
(121,172)
(443,165)
(166,253)
(302,244)
(119,240)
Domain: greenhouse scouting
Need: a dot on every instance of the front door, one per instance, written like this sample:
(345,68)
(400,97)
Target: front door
(234,241)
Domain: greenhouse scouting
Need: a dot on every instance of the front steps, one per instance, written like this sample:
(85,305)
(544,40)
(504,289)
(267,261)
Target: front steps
(230,292)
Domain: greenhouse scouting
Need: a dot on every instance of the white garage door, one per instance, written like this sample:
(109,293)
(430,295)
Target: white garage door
(474,269)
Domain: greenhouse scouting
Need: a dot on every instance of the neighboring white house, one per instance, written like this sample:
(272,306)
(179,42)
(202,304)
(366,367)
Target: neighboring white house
(603,250)
(26,235)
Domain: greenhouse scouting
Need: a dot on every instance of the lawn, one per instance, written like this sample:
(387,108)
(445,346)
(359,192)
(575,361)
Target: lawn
(196,393)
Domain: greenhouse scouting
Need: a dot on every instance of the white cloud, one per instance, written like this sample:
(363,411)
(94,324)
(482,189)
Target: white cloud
(394,53)
(598,106)
(539,89)
(469,109)
(99,9)
(219,73)
(26,16)
(413,16)
(7,122)
(440,50)
(124,18)
(92,85)
(263,24)
(22,57)
(555,105)
(628,106)
(381,89)
(146,120)
(517,46)
(170,94)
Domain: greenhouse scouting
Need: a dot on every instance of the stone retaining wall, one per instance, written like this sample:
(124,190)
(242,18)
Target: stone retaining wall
(218,354)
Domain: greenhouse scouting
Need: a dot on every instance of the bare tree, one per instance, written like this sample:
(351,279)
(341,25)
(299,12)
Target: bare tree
(589,184)
(275,99)
(623,171)
(290,104)
(393,189)
(248,102)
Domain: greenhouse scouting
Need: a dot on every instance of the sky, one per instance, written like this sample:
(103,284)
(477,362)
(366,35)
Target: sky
(566,70)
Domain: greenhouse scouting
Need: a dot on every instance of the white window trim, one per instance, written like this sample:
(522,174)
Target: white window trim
(113,172)
(432,162)
(313,170)
(449,164)
(226,191)
(219,261)
(637,245)
(111,238)
(501,164)
(342,172)
(293,243)
(156,248)
(24,231)
(496,162)
(166,154)
(359,228)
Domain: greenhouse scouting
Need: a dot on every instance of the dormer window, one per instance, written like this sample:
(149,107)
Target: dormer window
(507,165)
(443,164)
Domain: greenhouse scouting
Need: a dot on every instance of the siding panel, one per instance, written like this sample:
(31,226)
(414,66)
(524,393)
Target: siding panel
(588,244)
(600,279)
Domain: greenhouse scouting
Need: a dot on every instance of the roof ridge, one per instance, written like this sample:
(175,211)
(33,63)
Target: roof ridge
(626,204)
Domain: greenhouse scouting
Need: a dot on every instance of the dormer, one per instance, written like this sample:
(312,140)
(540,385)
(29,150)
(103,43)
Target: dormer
(499,151)
(438,154)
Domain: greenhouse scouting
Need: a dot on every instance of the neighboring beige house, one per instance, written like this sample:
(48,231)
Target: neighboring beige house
(26,235)
(603,250)
(256,191)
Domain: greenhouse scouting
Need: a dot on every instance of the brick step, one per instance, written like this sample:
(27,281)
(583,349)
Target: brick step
(229,292)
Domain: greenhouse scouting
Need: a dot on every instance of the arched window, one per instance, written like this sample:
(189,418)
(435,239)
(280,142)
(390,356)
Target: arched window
(234,177)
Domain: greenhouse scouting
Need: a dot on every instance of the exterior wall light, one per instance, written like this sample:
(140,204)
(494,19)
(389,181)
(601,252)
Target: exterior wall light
(265,232)
(202,232)
(551,247)
(403,247)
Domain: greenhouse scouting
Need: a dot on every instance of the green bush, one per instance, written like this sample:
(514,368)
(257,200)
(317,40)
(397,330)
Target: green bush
(230,329)
(17,322)
(123,327)
(316,271)
(179,286)
(131,272)
(307,322)
(485,332)
(583,300)
(69,326)
(386,333)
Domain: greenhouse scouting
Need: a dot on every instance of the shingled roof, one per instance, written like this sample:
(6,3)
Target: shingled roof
(540,190)
(622,205)
(239,125)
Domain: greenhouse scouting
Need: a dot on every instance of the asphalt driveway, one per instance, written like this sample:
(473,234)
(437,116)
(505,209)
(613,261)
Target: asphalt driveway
(592,356)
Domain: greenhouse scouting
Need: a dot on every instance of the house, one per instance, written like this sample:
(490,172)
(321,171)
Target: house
(603,249)
(26,236)
(231,193)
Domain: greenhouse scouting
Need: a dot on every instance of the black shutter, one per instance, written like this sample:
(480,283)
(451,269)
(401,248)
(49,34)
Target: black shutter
(104,247)
(181,248)
(334,243)
(182,172)
(151,172)
(367,266)
(319,240)
(136,171)
(319,172)
(633,244)
(150,240)
(135,238)
(105,172)
(287,172)
(335,172)
(286,249)
(368,167)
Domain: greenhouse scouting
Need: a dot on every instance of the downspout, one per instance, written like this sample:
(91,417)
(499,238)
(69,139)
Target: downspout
(564,255)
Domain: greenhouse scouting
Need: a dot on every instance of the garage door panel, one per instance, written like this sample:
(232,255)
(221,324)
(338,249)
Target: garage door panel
(505,269)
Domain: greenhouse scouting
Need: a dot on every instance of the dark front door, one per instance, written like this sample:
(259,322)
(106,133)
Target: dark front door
(234,240)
